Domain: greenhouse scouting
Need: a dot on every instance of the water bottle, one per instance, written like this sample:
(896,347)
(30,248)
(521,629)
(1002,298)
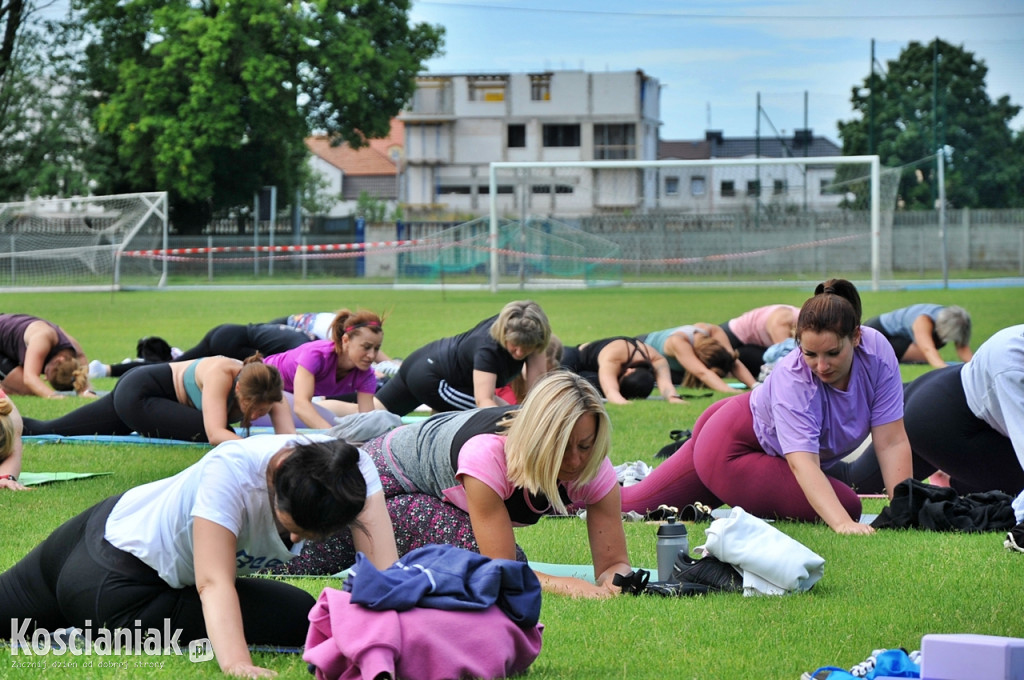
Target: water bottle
(671,539)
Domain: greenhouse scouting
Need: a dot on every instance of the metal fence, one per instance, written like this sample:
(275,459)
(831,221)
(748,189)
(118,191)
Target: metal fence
(660,247)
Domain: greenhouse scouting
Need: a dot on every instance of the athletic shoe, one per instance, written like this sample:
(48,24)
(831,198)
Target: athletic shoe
(867,665)
(97,369)
(709,571)
(629,474)
(1015,538)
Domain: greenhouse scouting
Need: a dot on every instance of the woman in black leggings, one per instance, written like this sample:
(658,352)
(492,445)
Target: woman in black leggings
(188,400)
(966,420)
(228,339)
(171,555)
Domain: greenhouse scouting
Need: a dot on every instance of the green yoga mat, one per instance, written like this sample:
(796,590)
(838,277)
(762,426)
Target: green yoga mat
(37,478)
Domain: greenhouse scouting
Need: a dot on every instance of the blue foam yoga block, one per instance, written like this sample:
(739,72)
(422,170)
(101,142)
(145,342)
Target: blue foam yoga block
(967,656)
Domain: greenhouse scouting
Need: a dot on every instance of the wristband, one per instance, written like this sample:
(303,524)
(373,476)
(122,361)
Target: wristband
(10,477)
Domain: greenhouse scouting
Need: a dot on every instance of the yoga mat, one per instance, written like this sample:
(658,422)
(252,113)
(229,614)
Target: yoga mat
(106,439)
(36,478)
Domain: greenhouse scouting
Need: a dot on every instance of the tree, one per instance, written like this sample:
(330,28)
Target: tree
(41,124)
(211,100)
(981,168)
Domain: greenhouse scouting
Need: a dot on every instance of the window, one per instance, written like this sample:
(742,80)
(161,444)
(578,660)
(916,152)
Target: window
(547,189)
(486,88)
(728,187)
(614,141)
(697,186)
(754,187)
(540,87)
(502,189)
(671,186)
(827,188)
(516,136)
(779,187)
(454,189)
(561,135)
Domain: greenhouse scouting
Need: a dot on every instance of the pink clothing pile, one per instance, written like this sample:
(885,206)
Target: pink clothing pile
(347,641)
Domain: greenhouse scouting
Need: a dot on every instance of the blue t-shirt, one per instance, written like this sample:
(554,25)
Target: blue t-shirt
(899,323)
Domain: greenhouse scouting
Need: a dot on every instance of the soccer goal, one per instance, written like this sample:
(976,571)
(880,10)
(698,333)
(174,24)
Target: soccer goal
(77,243)
(711,221)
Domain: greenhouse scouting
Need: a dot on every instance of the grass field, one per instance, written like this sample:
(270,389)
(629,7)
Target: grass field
(885,590)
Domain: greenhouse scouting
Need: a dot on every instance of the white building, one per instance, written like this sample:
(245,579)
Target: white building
(734,188)
(456,125)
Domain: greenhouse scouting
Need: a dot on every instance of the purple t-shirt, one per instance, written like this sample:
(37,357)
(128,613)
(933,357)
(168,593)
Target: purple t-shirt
(794,411)
(318,358)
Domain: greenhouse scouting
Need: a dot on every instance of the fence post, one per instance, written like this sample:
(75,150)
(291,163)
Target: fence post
(209,257)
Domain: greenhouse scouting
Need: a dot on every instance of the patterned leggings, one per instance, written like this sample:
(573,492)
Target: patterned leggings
(418,518)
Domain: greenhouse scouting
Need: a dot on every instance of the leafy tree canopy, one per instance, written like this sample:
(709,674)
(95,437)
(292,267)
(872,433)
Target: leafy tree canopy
(212,99)
(934,97)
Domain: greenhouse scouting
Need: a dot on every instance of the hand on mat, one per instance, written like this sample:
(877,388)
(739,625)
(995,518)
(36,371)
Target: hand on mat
(13,485)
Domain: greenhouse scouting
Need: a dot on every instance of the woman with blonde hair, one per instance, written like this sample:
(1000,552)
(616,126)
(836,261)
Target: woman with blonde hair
(193,400)
(464,371)
(467,478)
(10,444)
(700,355)
(31,347)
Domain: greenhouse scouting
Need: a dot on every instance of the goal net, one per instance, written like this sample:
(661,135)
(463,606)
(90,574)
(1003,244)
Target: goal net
(534,252)
(720,220)
(77,243)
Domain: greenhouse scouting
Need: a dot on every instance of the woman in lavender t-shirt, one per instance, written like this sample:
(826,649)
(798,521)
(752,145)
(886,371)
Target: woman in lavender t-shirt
(769,450)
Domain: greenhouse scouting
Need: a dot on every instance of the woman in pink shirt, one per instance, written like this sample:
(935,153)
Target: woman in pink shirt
(751,333)
(769,450)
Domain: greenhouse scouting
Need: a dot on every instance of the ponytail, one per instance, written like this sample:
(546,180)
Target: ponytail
(835,308)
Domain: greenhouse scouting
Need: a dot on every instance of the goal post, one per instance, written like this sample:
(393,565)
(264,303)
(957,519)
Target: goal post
(694,215)
(78,243)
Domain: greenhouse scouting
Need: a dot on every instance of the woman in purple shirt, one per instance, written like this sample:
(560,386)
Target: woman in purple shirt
(329,368)
(769,450)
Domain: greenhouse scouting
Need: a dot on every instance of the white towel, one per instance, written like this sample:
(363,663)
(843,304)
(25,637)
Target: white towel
(772,563)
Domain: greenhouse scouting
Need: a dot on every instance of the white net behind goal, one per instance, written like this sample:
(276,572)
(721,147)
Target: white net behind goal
(76,243)
(719,220)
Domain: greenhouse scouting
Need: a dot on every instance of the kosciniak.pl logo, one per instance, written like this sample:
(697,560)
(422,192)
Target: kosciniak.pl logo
(138,641)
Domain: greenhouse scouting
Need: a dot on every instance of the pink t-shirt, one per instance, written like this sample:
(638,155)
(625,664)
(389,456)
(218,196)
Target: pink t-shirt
(318,358)
(794,411)
(483,457)
(750,326)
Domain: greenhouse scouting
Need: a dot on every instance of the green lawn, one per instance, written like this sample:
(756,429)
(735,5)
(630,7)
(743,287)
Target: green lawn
(885,590)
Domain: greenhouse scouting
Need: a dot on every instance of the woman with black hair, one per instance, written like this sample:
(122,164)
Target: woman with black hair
(622,369)
(170,555)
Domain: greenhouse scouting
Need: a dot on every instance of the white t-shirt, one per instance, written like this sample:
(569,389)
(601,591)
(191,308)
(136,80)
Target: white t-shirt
(993,383)
(227,486)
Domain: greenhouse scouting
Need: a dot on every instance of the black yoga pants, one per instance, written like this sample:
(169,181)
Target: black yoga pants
(142,401)
(75,576)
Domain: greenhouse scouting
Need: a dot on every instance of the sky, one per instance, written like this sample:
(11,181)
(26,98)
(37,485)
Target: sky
(713,57)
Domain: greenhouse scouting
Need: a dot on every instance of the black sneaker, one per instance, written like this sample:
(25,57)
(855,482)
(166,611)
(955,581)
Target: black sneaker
(1015,538)
(709,571)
